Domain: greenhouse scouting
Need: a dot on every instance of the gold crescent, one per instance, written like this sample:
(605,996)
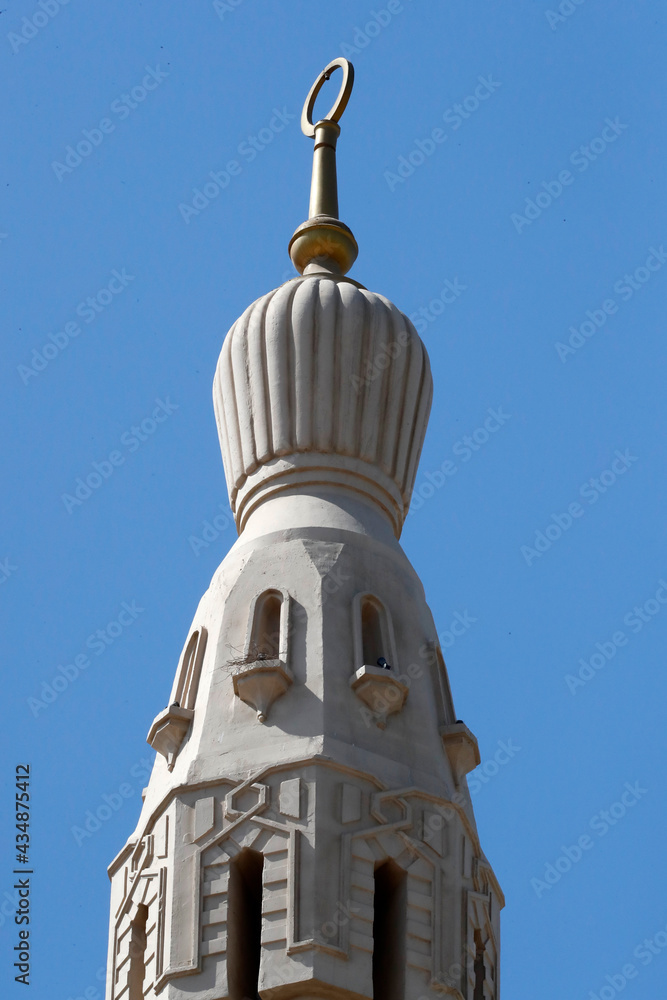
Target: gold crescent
(339,105)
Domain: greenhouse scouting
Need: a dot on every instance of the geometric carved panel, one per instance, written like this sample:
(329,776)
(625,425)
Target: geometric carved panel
(145,879)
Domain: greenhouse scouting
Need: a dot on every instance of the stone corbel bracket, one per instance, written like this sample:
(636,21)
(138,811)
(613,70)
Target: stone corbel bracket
(168,732)
(380,690)
(260,683)
(461,749)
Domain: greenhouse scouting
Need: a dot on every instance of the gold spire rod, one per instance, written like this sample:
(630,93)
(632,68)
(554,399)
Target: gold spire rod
(324,244)
(324,185)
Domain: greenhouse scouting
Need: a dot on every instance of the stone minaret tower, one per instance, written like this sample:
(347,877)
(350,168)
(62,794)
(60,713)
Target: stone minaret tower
(307,831)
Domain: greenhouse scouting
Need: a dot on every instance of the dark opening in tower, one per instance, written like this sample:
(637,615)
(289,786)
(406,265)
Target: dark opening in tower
(479,968)
(371,633)
(266,627)
(244,925)
(137,971)
(389,930)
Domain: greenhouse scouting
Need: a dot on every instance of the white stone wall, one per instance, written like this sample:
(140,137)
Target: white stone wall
(289,745)
(322,831)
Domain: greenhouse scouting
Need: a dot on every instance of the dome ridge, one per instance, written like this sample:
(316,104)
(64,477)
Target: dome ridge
(321,381)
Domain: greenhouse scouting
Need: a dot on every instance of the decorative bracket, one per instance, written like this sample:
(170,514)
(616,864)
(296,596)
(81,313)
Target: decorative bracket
(380,690)
(260,683)
(461,749)
(168,732)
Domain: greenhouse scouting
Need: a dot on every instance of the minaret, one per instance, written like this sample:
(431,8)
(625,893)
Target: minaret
(307,831)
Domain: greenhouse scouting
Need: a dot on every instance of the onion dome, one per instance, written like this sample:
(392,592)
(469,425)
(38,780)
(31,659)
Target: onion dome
(322,383)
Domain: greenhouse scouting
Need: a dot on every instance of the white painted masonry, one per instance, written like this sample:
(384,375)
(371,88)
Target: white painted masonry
(307,830)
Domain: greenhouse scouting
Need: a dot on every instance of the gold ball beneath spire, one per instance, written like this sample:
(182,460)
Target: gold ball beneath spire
(325,241)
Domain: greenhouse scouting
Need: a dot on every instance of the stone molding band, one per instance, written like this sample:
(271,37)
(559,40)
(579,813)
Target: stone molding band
(299,471)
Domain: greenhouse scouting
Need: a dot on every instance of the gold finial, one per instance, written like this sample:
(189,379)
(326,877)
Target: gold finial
(324,244)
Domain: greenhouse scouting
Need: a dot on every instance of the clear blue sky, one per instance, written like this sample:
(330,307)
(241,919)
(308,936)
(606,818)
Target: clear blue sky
(540,201)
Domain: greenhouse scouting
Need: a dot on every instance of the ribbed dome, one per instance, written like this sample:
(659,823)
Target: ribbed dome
(322,382)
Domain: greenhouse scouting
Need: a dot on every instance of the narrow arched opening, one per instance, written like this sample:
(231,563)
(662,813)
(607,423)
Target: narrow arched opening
(389,931)
(244,925)
(479,968)
(371,633)
(137,972)
(266,628)
(443,679)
